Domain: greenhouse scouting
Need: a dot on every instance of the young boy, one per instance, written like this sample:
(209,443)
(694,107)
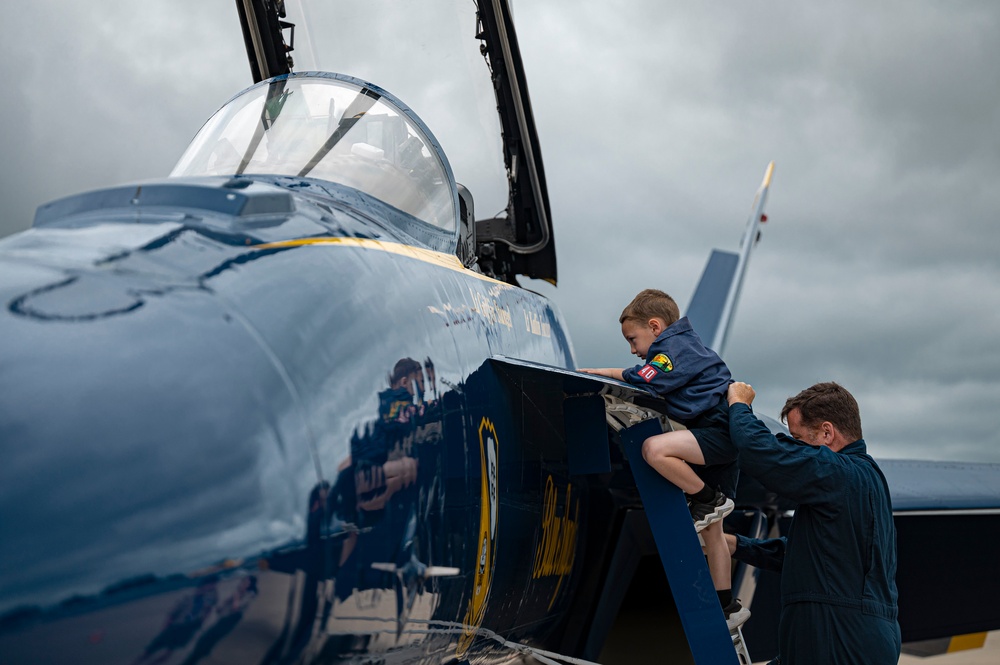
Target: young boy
(693,381)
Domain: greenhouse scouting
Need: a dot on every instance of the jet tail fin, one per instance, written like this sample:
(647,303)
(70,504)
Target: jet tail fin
(714,302)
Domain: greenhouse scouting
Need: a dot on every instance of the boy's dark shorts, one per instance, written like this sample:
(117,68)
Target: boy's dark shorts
(711,431)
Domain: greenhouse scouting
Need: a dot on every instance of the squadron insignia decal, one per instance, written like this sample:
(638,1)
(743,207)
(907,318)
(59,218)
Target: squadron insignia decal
(488,506)
(662,362)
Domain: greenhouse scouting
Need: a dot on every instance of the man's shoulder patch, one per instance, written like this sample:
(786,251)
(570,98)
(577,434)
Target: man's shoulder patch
(662,362)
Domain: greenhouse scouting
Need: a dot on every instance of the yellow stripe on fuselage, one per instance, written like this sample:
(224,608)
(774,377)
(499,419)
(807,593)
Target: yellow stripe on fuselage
(449,261)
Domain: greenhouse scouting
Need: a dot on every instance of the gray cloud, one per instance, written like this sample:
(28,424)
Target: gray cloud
(879,265)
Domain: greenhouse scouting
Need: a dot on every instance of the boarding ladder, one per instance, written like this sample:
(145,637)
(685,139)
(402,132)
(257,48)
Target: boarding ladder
(682,557)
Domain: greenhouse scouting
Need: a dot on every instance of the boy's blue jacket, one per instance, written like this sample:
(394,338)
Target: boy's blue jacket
(689,376)
(840,552)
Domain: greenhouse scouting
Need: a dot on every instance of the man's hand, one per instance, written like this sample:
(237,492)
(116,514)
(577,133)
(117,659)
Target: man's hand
(740,393)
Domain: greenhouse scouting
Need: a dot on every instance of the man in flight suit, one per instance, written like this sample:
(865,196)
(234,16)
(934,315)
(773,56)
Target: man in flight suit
(838,561)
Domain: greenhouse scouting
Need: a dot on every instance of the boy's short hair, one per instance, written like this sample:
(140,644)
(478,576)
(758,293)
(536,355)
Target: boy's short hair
(649,304)
(827,402)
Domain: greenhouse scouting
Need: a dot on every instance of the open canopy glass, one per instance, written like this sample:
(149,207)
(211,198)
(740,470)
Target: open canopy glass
(333,128)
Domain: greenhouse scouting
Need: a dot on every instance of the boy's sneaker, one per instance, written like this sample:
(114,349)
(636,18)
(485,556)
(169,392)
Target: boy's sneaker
(704,514)
(736,615)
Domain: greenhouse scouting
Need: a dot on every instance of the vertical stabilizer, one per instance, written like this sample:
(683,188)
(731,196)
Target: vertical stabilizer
(714,302)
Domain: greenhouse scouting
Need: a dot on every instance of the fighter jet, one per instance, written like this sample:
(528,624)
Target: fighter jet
(291,404)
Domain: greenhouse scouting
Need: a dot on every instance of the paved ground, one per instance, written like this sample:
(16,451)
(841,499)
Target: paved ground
(988,655)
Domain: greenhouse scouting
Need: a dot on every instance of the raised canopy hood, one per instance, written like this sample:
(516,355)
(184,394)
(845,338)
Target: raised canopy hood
(442,58)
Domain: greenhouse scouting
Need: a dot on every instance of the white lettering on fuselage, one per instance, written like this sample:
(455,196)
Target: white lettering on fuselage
(491,309)
(533,323)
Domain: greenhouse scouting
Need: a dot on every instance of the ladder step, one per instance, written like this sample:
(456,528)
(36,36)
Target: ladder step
(741,648)
(680,552)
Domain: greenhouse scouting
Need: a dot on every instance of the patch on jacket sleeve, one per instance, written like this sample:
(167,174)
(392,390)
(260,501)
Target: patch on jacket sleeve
(662,362)
(647,372)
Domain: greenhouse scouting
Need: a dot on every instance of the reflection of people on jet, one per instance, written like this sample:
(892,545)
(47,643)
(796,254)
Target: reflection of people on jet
(183,622)
(230,613)
(400,403)
(392,486)
(382,462)
(366,529)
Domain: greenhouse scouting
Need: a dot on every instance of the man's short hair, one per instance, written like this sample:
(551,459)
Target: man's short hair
(827,402)
(651,303)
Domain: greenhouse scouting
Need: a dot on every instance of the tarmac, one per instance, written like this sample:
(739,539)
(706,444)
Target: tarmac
(988,655)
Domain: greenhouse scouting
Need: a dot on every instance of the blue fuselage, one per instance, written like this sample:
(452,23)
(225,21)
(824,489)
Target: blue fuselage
(254,418)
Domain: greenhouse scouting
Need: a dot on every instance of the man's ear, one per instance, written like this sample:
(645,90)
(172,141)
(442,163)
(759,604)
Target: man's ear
(834,438)
(828,432)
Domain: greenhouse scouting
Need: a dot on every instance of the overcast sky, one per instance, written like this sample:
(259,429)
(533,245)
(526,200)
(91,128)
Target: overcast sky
(879,265)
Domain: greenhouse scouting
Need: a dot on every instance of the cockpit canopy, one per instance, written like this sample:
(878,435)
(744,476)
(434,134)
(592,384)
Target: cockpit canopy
(334,128)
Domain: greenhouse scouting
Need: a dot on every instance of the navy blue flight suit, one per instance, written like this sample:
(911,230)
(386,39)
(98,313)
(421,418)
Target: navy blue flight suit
(838,562)
(692,379)
(689,376)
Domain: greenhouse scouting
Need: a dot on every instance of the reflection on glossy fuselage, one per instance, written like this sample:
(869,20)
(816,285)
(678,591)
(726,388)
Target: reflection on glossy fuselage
(220,444)
(253,418)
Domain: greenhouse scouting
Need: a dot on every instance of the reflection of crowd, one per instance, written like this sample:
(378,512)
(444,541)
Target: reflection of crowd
(191,613)
(183,622)
(230,613)
(368,530)
(382,462)
(393,467)
(368,525)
